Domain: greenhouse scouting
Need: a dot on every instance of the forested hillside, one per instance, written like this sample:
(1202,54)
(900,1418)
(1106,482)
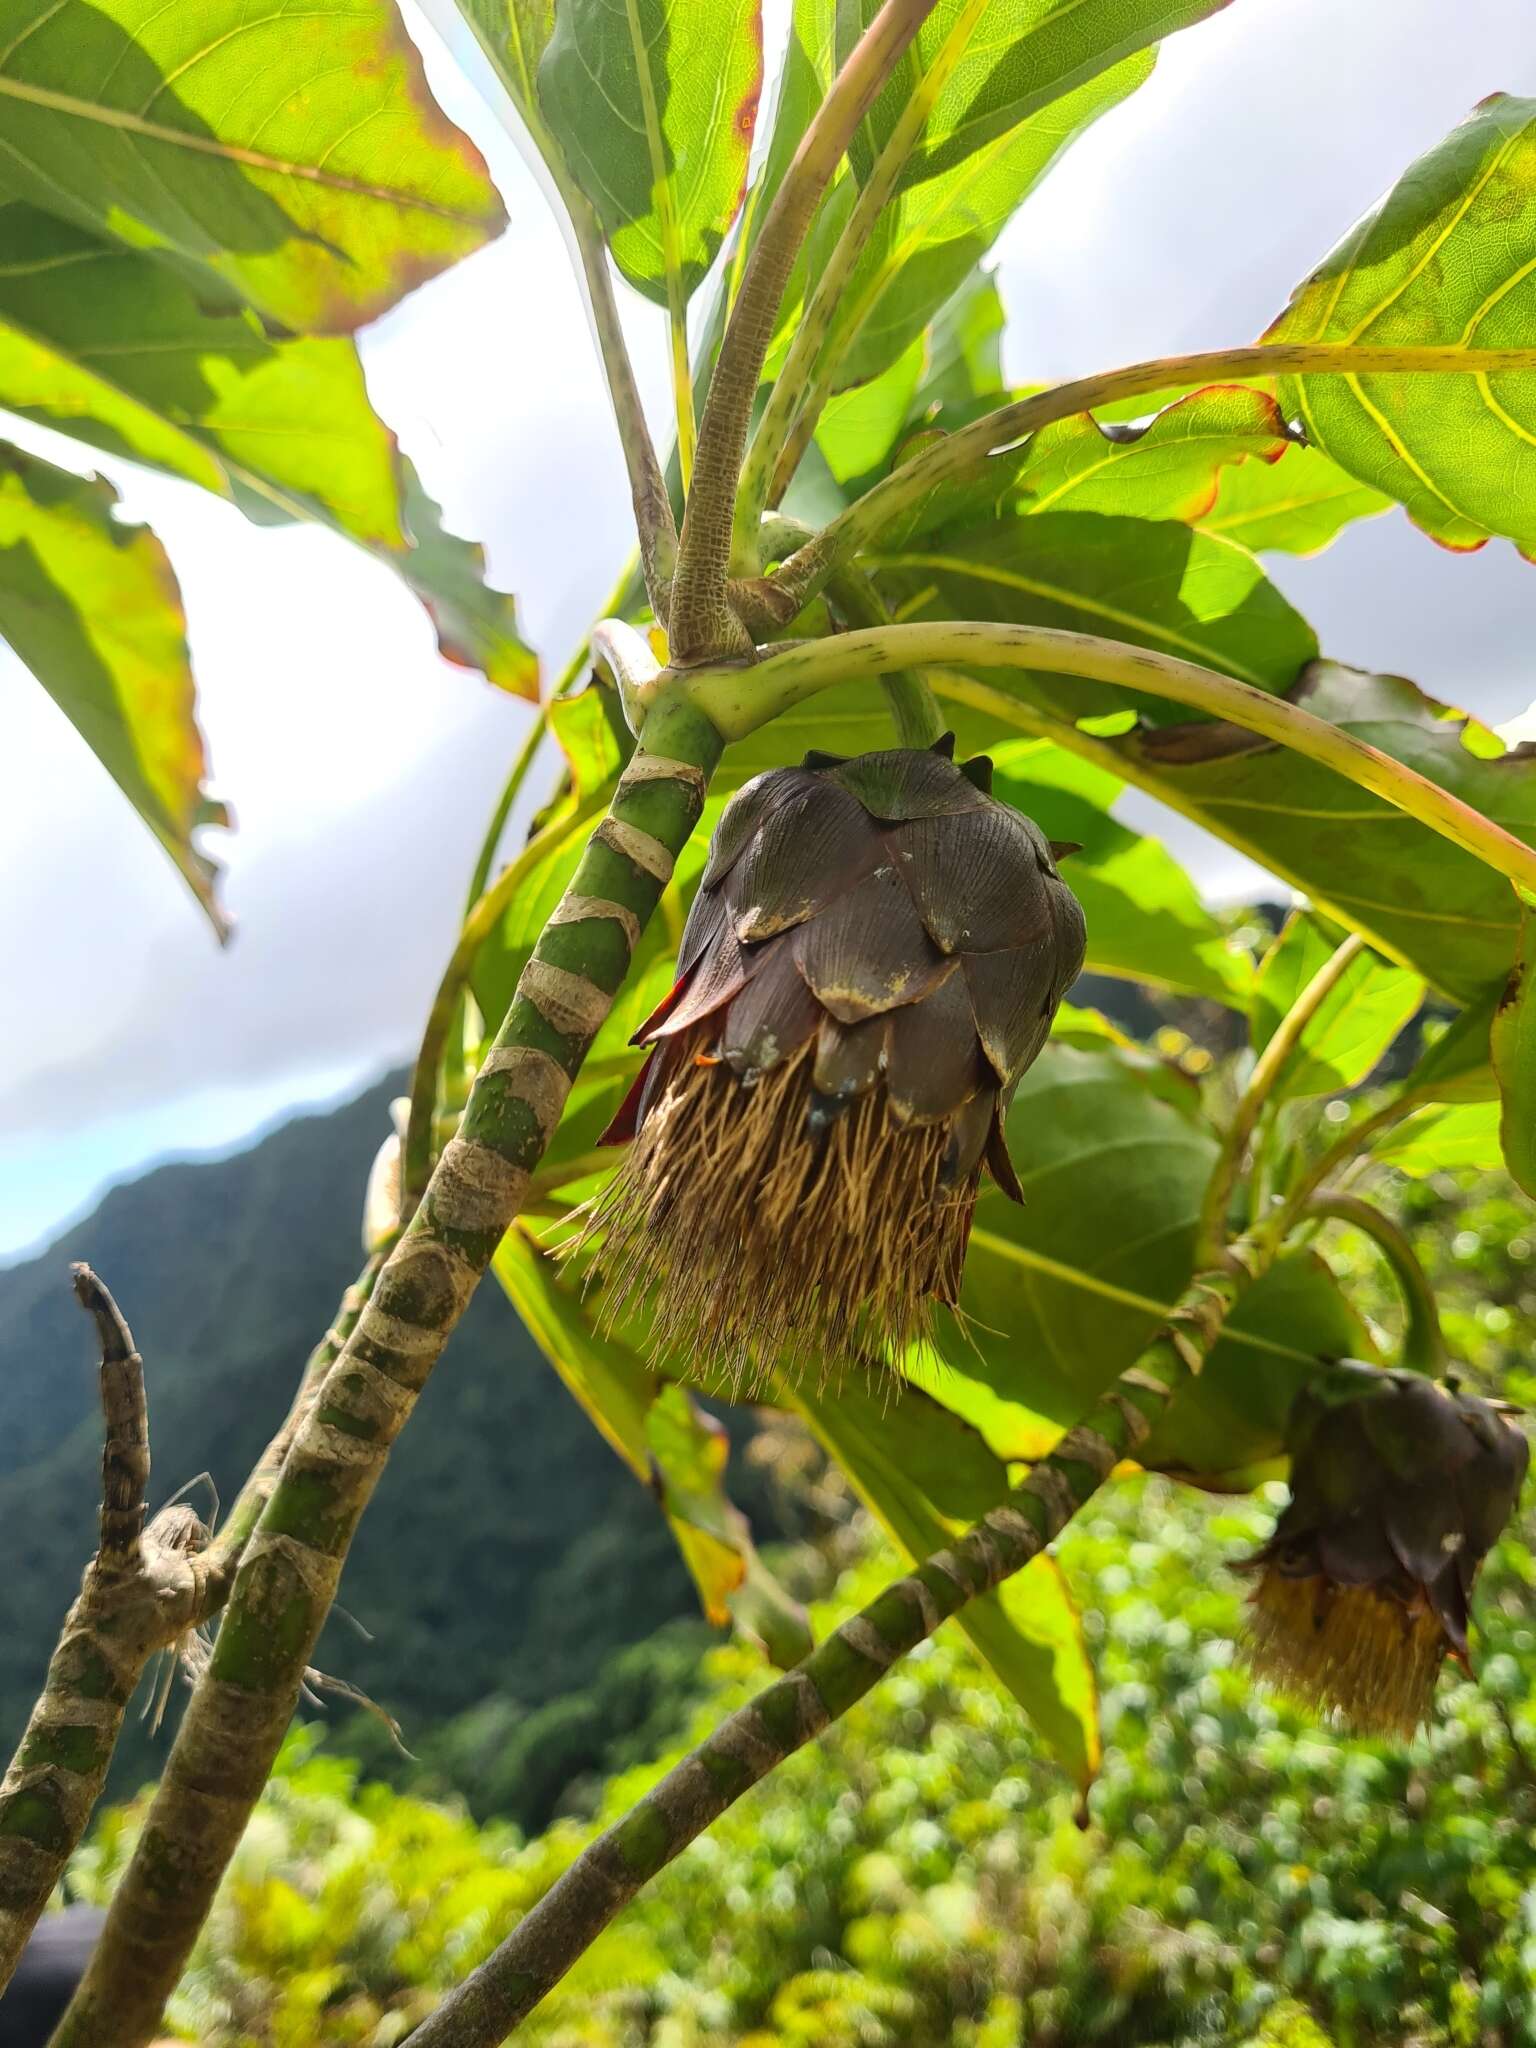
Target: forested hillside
(504,1520)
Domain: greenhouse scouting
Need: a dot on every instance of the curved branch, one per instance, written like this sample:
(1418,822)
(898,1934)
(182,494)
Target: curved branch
(738,701)
(1424,1347)
(701,622)
(796,1708)
(1261,1082)
(965,453)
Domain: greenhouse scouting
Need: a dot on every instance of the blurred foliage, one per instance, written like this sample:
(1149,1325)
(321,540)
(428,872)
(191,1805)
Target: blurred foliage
(919,1877)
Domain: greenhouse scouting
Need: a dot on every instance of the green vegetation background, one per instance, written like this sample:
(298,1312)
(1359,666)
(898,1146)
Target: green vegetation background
(920,1878)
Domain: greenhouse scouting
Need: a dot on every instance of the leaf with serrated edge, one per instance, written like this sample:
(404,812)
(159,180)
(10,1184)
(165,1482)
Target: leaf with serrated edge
(292,158)
(1448,258)
(93,609)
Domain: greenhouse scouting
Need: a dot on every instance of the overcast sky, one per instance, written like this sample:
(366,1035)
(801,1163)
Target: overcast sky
(361,767)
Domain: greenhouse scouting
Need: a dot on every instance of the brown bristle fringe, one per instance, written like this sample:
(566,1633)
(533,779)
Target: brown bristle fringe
(1363,1652)
(761,1247)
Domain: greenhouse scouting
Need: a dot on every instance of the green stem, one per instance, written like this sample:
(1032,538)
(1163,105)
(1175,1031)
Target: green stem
(140,1592)
(915,710)
(702,623)
(738,701)
(241,1708)
(1423,1347)
(802,387)
(966,452)
(654,524)
(798,1707)
(1267,1069)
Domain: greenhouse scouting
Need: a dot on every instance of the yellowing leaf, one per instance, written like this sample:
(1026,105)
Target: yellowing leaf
(93,609)
(290,156)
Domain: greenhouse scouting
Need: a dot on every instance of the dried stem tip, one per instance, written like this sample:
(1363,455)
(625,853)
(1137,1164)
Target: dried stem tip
(873,959)
(1399,1488)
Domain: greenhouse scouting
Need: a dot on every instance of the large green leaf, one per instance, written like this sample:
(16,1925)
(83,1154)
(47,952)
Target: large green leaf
(1420,899)
(653,103)
(1448,258)
(1512,1041)
(673,1448)
(1113,1156)
(1153,583)
(1010,59)
(291,158)
(111,345)
(930,237)
(1145,918)
(1057,1301)
(1294,507)
(925,1474)
(93,609)
(1351,1029)
(1443,1136)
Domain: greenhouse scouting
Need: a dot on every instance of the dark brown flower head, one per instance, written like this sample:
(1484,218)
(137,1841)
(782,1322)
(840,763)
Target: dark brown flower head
(874,957)
(1399,1489)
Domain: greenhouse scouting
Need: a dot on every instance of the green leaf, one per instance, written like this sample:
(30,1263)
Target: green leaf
(1056,1304)
(859,428)
(1442,1137)
(1166,467)
(110,345)
(675,1450)
(1362,861)
(1447,258)
(929,239)
(476,624)
(1145,918)
(1232,1419)
(1353,1027)
(653,104)
(1002,62)
(1150,582)
(514,35)
(93,609)
(1512,1041)
(925,1474)
(1294,507)
(297,161)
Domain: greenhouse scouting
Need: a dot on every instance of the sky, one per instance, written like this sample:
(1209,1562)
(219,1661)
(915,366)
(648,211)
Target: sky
(361,767)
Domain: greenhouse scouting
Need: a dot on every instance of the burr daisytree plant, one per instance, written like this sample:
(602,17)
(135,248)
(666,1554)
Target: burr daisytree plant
(834,818)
